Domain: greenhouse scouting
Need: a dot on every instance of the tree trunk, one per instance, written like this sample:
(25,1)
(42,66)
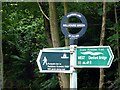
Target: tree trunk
(101,80)
(54,25)
(55,40)
(65,13)
(117,32)
(118,49)
(1,65)
(1,54)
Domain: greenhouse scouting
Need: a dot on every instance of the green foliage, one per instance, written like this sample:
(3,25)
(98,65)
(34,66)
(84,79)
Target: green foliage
(48,85)
(23,36)
(113,38)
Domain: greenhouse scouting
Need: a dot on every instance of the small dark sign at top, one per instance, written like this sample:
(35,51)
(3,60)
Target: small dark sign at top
(65,25)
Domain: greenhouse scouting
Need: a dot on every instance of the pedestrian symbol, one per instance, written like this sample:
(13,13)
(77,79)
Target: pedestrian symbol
(44,61)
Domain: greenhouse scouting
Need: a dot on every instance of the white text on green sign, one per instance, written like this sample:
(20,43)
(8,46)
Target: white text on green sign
(54,61)
(94,56)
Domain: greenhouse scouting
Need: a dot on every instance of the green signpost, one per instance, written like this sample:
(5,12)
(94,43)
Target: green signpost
(50,61)
(58,59)
(66,59)
(94,56)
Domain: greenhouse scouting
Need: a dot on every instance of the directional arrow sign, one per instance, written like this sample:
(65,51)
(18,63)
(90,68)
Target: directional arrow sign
(54,61)
(94,56)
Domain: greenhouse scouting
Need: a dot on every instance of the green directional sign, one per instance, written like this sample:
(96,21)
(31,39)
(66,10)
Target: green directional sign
(94,56)
(54,61)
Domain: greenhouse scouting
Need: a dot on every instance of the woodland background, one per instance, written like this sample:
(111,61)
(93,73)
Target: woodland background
(28,27)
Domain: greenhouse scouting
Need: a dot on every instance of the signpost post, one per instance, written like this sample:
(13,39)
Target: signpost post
(66,59)
(73,38)
(73,75)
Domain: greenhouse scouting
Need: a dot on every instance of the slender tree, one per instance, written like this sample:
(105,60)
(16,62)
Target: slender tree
(1,54)
(1,64)
(65,13)
(102,36)
(55,40)
(66,41)
(54,25)
(118,47)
